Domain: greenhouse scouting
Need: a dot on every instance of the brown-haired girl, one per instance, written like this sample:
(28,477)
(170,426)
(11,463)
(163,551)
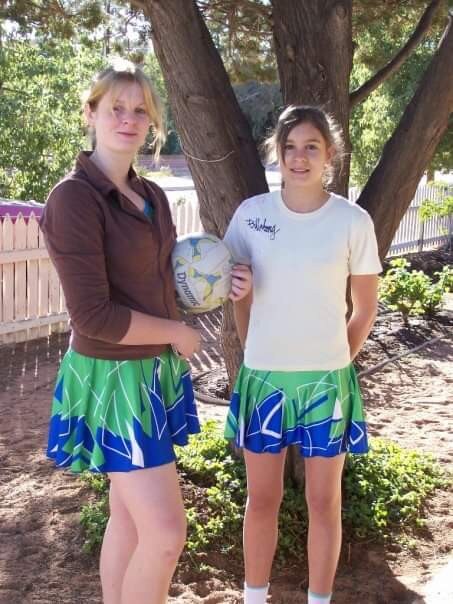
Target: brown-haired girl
(297,385)
(123,398)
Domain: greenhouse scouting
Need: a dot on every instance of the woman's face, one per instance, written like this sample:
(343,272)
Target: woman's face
(304,156)
(120,119)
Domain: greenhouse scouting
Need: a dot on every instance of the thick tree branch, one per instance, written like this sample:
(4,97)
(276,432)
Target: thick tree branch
(391,187)
(361,93)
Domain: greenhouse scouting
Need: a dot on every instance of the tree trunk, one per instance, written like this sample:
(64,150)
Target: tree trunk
(313,45)
(214,133)
(391,187)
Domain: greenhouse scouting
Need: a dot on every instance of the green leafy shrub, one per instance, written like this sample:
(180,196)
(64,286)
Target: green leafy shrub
(94,515)
(98,483)
(439,208)
(93,518)
(413,292)
(386,489)
(445,278)
(384,493)
(216,510)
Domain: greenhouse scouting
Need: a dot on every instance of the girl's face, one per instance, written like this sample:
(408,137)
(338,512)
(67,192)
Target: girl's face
(304,157)
(120,119)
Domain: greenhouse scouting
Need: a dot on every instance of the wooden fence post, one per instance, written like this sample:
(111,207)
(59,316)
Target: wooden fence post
(33,276)
(8,278)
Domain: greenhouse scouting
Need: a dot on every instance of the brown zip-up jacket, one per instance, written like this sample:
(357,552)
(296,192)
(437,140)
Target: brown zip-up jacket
(110,258)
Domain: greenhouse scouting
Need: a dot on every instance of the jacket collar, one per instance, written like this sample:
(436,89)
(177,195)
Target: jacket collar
(100,181)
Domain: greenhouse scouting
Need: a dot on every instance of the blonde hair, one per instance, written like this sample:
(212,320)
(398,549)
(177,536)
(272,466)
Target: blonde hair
(120,72)
(294,115)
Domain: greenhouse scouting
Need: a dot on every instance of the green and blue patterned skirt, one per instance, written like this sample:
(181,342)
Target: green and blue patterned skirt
(320,411)
(117,416)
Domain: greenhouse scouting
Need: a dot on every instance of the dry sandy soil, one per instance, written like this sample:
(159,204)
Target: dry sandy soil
(41,561)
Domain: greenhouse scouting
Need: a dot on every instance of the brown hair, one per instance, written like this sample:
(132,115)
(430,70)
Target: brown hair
(120,72)
(294,115)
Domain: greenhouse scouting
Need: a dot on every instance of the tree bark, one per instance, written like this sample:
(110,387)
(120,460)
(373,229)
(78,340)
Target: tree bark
(313,45)
(214,133)
(392,185)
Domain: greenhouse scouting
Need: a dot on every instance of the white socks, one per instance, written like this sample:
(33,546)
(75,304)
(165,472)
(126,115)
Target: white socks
(318,598)
(255,595)
(258,595)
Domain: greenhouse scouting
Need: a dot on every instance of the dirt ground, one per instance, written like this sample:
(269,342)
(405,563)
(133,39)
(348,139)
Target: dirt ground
(41,561)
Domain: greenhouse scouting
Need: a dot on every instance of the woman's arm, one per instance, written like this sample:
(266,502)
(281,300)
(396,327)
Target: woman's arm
(145,329)
(364,301)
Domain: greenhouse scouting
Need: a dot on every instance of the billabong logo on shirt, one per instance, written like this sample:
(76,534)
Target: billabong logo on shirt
(256,224)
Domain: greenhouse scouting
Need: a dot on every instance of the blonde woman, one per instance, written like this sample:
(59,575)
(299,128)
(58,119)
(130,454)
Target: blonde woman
(123,398)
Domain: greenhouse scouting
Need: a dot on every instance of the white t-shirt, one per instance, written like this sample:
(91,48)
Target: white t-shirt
(300,264)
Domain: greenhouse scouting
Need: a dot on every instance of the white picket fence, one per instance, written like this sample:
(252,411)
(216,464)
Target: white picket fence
(413,235)
(31,298)
(32,303)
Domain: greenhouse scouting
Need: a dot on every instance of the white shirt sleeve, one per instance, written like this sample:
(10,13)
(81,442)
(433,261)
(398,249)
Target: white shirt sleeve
(363,248)
(235,241)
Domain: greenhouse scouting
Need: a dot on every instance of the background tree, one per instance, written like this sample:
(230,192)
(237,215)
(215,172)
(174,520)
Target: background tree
(48,53)
(40,114)
(27,18)
(123,30)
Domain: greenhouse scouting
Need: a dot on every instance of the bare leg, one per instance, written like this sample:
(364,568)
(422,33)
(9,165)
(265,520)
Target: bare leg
(153,499)
(265,492)
(323,494)
(120,541)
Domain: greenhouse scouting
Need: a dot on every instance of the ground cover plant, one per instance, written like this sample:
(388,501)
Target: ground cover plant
(385,495)
(413,292)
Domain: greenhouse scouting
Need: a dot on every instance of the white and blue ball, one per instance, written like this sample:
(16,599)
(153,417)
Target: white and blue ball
(202,267)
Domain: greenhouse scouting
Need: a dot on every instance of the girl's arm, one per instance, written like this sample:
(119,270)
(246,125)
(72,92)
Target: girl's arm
(146,329)
(241,282)
(242,315)
(364,301)
(241,295)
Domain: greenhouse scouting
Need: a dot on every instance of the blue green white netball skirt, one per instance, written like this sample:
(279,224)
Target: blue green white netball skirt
(117,416)
(320,411)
